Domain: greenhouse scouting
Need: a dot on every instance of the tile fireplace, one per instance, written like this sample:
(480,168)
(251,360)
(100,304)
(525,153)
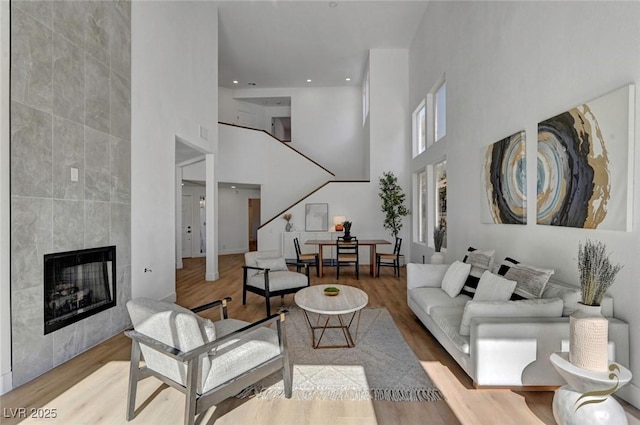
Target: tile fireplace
(78,284)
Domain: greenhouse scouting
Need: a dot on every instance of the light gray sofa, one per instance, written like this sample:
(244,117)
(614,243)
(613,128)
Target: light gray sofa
(504,351)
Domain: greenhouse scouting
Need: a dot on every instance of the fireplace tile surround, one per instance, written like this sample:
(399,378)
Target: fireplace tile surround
(70,108)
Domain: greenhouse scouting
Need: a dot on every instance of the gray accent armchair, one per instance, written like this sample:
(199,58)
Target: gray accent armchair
(265,273)
(207,361)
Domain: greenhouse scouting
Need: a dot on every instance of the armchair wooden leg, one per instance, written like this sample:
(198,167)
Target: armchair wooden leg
(134,368)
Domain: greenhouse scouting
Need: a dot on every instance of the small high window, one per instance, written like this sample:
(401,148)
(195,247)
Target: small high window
(419,129)
(440,111)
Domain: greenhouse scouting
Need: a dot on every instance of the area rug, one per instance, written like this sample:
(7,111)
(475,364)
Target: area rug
(380,367)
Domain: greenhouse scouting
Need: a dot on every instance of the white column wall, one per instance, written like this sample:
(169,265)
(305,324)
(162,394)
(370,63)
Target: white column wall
(5,201)
(525,62)
(174,92)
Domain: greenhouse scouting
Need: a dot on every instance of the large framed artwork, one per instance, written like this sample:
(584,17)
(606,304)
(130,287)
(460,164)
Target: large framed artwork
(504,178)
(585,164)
(316,217)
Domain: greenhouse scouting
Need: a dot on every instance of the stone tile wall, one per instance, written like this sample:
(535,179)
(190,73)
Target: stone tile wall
(70,108)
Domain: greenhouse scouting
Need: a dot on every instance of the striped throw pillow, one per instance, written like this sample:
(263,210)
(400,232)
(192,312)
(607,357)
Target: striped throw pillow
(531,279)
(481,261)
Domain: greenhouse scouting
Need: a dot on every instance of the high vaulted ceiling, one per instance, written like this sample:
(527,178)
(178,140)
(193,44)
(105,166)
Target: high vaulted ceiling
(284,43)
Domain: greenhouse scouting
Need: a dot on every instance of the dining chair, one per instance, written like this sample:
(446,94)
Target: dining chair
(310,259)
(347,254)
(390,259)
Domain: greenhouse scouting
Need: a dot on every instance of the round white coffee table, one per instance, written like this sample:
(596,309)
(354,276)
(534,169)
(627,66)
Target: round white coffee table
(350,300)
(586,399)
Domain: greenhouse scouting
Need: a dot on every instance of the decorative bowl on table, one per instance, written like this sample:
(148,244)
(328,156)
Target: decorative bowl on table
(331,291)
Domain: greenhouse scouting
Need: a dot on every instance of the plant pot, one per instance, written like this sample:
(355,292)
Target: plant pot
(347,236)
(437,258)
(588,338)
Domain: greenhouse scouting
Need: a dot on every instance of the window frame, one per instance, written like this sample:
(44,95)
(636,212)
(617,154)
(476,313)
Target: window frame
(421,199)
(433,195)
(440,111)
(419,125)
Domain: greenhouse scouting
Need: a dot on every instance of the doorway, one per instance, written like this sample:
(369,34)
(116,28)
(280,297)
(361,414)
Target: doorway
(187,226)
(254,223)
(281,128)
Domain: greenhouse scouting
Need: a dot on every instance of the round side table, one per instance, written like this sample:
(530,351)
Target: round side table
(567,402)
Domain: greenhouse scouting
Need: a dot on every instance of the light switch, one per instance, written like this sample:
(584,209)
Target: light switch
(74,174)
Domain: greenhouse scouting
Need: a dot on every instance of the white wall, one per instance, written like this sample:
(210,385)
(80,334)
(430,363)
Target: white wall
(358,202)
(326,124)
(5,201)
(388,136)
(233,219)
(510,65)
(174,92)
(254,157)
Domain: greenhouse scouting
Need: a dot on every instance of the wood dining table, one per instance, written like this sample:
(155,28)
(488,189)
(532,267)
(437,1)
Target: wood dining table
(371,243)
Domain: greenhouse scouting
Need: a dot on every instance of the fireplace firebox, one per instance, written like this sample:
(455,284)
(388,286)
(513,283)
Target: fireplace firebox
(78,284)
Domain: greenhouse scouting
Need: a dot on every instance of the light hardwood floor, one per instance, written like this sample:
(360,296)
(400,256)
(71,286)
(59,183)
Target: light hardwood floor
(92,388)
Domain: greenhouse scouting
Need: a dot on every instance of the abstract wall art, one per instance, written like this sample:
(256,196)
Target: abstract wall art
(504,177)
(316,217)
(585,162)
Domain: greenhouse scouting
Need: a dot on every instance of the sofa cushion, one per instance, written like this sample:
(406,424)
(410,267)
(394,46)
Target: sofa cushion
(480,261)
(523,308)
(448,320)
(494,288)
(571,295)
(455,277)
(427,298)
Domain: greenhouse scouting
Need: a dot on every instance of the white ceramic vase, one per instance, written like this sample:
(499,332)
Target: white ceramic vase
(588,338)
(437,258)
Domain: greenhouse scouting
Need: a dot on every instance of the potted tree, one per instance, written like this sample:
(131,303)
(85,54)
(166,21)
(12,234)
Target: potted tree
(588,329)
(392,203)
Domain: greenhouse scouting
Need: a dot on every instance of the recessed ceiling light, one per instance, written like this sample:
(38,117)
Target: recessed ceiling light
(347,79)
(233,187)
(235,81)
(308,81)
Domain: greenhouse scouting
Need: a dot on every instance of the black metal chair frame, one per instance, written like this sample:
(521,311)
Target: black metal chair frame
(267,293)
(311,263)
(395,263)
(347,248)
(196,403)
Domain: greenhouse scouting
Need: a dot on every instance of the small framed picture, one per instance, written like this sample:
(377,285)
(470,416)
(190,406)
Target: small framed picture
(316,217)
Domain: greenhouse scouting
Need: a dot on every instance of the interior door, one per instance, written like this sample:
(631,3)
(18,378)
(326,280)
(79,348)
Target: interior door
(187,226)
(254,223)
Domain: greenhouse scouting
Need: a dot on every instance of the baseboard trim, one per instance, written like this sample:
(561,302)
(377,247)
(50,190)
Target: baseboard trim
(631,394)
(233,251)
(179,264)
(210,277)
(6,383)
(171,298)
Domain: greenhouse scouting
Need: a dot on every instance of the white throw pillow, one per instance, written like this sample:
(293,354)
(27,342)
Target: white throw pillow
(494,288)
(273,264)
(454,278)
(524,308)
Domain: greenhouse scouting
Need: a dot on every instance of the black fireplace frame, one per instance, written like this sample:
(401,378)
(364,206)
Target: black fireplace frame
(104,254)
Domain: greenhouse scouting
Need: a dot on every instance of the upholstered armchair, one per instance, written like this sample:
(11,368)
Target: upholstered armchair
(207,361)
(266,273)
